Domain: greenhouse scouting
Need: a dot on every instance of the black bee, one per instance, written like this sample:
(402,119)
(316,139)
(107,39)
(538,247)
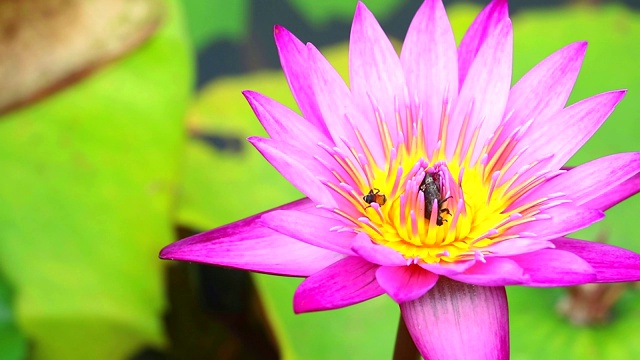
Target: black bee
(431,188)
(375,197)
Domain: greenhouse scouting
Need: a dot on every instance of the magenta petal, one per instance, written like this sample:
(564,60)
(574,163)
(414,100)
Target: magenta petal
(484,24)
(337,105)
(553,267)
(310,228)
(282,123)
(517,246)
(493,272)
(405,283)
(374,68)
(377,254)
(297,166)
(349,281)
(430,62)
(611,263)
(483,96)
(563,219)
(621,192)
(459,321)
(564,133)
(246,245)
(294,60)
(544,90)
(448,269)
(596,180)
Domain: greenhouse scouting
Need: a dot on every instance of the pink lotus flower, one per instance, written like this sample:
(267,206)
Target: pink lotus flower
(430,179)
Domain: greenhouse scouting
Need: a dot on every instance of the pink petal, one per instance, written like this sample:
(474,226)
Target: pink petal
(377,254)
(246,245)
(338,107)
(611,263)
(517,246)
(596,180)
(623,191)
(298,167)
(282,123)
(405,283)
(448,269)
(544,90)
(564,133)
(493,272)
(553,267)
(459,321)
(347,282)
(563,219)
(485,23)
(483,96)
(429,59)
(374,68)
(311,229)
(294,60)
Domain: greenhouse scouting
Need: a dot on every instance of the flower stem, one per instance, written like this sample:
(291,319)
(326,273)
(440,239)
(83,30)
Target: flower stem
(404,349)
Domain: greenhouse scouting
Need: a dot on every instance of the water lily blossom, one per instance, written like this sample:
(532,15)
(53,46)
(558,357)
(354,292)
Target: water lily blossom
(430,179)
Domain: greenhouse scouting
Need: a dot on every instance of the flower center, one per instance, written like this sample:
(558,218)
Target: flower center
(432,207)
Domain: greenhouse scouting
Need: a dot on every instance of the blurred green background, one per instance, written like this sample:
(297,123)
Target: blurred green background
(123,128)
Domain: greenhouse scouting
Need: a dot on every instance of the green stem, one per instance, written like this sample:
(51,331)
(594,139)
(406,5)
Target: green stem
(404,349)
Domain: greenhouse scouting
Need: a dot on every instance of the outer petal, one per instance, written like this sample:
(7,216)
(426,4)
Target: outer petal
(459,321)
(374,68)
(494,272)
(405,283)
(483,96)
(617,195)
(347,282)
(611,263)
(594,180)
(544,90)
(448,269)
(247,245)
(377,254)
(282,123)
(517,246)
(294,60)
(430,62)
(563,219)
(338,107)
(564,133)
(482,26)
(553,267)
(312,229)
(298,167)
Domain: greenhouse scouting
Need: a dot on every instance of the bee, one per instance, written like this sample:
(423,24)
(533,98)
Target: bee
(430,186)
(375,197)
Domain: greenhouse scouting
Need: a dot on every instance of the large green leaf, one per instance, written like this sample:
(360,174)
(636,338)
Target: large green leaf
(87,186)
(210,20)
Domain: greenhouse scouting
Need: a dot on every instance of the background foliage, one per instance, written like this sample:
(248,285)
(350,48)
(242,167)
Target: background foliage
(99,175)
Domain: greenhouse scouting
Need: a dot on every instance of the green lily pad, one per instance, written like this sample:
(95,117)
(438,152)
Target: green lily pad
(86,201)
(208,20)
